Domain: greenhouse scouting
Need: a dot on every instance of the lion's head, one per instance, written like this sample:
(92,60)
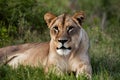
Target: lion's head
(65,31)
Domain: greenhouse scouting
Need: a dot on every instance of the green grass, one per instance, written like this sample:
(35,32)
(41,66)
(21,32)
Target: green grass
(28,73)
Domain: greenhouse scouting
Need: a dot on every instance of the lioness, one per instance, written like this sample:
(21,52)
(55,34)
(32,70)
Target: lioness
(67,49)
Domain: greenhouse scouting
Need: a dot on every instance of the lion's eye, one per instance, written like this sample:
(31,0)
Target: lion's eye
(70,28)
(55,28)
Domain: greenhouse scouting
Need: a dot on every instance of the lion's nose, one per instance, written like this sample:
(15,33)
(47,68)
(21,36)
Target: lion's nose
(62,41)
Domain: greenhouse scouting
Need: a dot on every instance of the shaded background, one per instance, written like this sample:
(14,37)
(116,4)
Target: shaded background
(21,21)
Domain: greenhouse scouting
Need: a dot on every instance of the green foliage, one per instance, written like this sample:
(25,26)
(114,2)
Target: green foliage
(24,17)
(4,36)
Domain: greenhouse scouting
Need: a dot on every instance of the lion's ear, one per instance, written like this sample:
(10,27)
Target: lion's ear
(48,17)
(79,17)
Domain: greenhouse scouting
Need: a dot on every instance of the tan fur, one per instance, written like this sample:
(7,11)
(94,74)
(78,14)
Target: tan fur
(67,49)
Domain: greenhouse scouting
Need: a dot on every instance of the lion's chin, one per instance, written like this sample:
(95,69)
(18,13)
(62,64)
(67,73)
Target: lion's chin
(63,52)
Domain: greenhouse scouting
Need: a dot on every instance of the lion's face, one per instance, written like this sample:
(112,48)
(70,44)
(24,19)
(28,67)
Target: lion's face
(65,32)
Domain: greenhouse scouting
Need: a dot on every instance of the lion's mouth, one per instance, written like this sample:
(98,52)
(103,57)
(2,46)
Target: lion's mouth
(63,50)
(69,48)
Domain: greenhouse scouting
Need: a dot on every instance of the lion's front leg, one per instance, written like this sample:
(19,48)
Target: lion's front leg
(81,66)
(54,67)
(84,69)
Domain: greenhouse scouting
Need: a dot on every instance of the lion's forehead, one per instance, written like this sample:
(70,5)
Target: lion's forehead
(64,20)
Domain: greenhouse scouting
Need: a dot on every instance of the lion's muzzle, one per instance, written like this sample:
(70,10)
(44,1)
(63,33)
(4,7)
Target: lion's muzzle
(63,50)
